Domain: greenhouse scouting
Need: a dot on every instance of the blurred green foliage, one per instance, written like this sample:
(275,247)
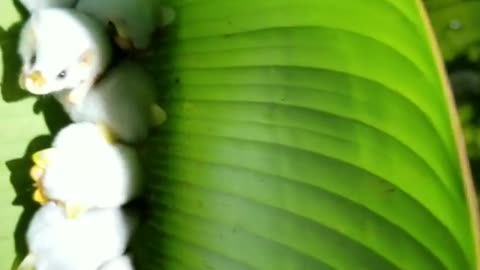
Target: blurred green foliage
(457,27)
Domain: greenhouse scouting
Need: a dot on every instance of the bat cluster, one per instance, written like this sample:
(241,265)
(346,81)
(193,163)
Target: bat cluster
(92,170)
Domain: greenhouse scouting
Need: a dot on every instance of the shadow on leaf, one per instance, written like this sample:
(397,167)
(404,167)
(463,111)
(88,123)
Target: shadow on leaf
(21,182)
(11,92)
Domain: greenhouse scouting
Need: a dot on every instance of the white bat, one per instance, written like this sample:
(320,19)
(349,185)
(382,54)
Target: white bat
(57,243)
(122,101)
(85,170)
(134,20)
(60,49)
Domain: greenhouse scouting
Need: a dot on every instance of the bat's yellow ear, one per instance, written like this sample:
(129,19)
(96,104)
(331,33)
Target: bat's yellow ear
(36,173)
(121,35)
(88,57)
(43,157)
(39,196)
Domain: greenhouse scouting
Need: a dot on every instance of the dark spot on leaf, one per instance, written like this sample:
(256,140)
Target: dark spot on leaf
(390,190)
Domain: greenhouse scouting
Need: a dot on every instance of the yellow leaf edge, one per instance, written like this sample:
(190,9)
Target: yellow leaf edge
(457,131)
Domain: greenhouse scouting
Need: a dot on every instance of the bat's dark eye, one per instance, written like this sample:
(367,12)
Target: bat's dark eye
(62,74)
(33,59)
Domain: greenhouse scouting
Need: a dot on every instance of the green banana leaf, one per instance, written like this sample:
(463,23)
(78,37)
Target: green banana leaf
(456,24)
(302,134)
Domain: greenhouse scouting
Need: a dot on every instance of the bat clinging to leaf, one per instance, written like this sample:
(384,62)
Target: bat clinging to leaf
(123,102)
(84,170)
(57,243)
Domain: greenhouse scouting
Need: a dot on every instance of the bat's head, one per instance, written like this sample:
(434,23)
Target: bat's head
(61,49)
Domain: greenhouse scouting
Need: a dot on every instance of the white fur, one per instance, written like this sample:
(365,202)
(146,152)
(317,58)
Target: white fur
(86,243)
(87,170)
(138,18)
(59,37)
(33,5)
(120,263)
(122,100)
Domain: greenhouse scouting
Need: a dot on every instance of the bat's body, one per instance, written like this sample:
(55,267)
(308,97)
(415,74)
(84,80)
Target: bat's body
(122,101)
(83,170)
(86,243)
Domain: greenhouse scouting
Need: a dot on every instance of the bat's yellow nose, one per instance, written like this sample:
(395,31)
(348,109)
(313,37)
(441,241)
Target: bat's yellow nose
(37,78)
(34,82)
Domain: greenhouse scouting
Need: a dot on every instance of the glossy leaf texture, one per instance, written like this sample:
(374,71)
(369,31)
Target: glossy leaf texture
(456,24)
(304,135)
(301,134)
